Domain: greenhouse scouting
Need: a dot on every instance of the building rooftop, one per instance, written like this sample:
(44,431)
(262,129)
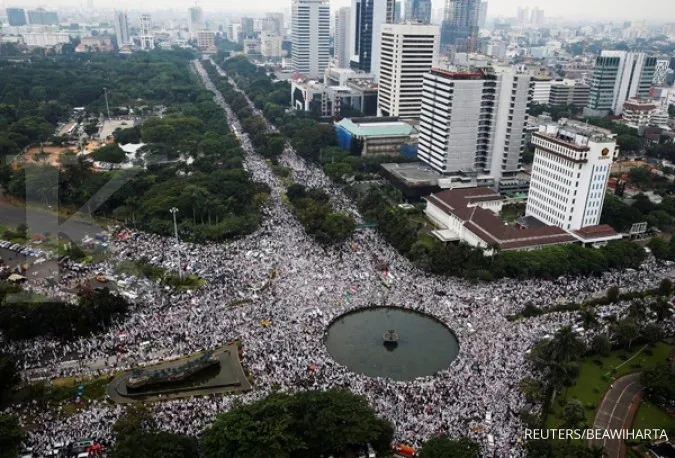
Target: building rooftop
(373,127)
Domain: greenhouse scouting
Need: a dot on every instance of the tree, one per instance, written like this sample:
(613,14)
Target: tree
(306,424)
(573,413)
(640,176)
(136,419)
(659,248)
(11,436)
(626,331)
(158,444)
(130,135)
(629,143)
(588,318)
(9,374)
(661,307)
(665,286)
(601,345)
(566,346)
(109,153)
(659,384)
(442,447)
(532,389)
(613,293)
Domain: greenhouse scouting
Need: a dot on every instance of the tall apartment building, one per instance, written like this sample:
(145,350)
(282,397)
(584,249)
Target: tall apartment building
(195,21)
(341,37)
(206,39)
(41,16)
(311,37)
(367,18)
(460,25)
(418,11)
(523,14)
(537,16)
(408,52)
(569,92)
(482,14)
(270,44)
(541,89)
(147,39)
(397,12)
(617,77)
(16,16)
(474,121)
(121,24)
(570,171)
(278,21)
(247,27)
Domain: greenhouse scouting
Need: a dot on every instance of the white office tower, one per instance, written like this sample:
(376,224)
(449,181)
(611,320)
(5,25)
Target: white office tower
(474,122)
(617,77)
(147,40)
(341,37)
(195,21)
(121,23)
(408,52)
(571,167)
(310,51)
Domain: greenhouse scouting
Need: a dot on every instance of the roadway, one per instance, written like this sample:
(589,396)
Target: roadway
(616,411)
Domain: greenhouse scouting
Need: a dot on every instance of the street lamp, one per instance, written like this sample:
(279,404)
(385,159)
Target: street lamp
(105,91)
(173,211)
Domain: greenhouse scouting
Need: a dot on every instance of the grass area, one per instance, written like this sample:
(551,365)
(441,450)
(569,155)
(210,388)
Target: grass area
(650,416)
(597,374)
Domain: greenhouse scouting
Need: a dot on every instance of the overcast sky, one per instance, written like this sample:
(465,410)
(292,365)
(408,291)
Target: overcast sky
(652,10)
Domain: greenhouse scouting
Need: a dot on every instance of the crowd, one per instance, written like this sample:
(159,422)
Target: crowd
(300,287)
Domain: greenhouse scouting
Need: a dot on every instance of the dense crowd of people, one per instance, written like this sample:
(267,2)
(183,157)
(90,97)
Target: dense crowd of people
(299,287)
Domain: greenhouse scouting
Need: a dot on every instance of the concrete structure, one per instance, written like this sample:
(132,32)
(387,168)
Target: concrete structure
(418,11)
(377,136)
(482,14)
(341,88)
(121,24)
(537,17)
(569,92)
(147,38)
(311,37)
(367,18)
(571,167)
(639,113)
(274,22)
(471,216)
(41,16)
(497,50)
(247,27)
(660,71)
(619,76)
(195,21)
(408,52)
(541,90)
(474,122)
(341,37)
(397,12)
(234,33)
(16,16)
(270,44)
(46,39)
(252,46)
(460,25)
(205,39)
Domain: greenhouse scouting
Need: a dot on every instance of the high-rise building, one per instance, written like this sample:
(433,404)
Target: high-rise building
(41,16)
(482,14)
(397,12)
(247,27)
(537,16)
(121,24)
(310,50)
(418,11)
(408,52)
(205,39)
(474,122)
(341,37)
(617,77)
(195,21)
(16,16)
(274,23)
(146,37)
(569,92)
(270,44)
(367,18)
(460,25)
(234,33)
(571,167)
(523,14)
(660,71)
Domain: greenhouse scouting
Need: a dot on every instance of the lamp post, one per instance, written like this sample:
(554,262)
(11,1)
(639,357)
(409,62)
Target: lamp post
(173,211)
(105,91)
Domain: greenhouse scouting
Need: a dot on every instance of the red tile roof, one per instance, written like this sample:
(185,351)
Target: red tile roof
(595,232)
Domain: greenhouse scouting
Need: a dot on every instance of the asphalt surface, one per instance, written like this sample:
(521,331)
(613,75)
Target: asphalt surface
(614,412)
(41,222)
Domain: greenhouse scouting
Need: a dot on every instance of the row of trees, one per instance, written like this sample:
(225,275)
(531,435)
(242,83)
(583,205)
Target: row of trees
(24,317)
(622,216)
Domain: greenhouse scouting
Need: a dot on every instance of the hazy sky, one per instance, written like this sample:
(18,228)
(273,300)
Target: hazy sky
(654,10)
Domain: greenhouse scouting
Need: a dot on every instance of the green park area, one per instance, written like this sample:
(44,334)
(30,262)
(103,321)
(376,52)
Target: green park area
(597,373)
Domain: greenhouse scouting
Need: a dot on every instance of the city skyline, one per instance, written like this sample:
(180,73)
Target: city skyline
(656,11)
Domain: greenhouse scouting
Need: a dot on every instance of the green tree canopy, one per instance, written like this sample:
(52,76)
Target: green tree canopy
(441,447)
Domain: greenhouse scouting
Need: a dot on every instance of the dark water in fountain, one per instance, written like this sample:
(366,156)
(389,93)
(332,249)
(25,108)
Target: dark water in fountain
(425,345)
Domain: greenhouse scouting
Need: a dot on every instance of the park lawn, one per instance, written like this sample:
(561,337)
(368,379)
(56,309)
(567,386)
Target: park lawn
(651,416)
(594,380)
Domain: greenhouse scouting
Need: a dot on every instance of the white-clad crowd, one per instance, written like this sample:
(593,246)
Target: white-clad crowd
(300,287)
